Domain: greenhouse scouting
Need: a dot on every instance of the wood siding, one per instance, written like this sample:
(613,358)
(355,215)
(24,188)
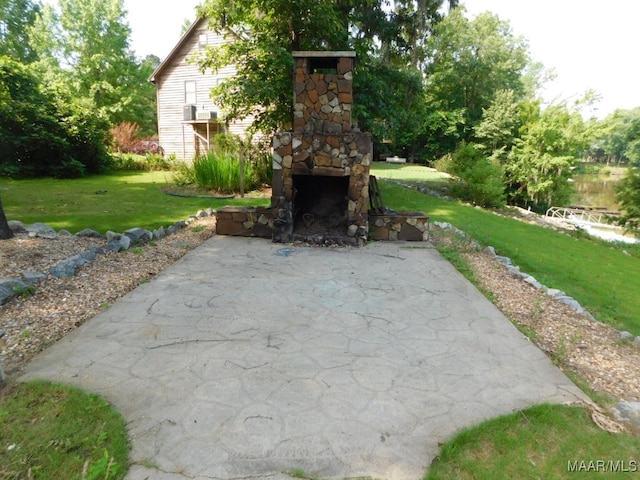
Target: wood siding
(176,136)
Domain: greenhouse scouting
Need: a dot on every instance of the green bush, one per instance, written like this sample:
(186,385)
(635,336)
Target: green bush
(45,130)
(148,163)
(475,178)
(127,162)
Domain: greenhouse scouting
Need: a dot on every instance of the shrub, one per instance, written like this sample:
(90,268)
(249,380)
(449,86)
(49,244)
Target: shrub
(44,129)
(476,178)
(184,175)
(124,136)
(127,162)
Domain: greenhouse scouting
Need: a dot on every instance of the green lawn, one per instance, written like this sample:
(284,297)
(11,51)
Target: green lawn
(602,278)
(116,202)
(542,442)
(51,432)
(409,172)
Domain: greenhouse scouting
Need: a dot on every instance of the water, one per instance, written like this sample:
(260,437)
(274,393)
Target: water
(592,190)
(596,191)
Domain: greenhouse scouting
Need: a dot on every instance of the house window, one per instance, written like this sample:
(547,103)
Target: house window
(202,40)
(190,93)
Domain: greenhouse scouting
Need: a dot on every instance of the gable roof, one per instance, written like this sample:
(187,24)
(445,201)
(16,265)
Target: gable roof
(158,71)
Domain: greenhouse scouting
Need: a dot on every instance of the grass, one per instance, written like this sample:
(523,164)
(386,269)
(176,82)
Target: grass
(49,432)
(410,173)
(597,274)
(545,441)
(116,202)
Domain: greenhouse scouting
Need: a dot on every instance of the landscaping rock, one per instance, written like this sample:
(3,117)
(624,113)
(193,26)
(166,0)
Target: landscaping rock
(628,412)
(139,235)
(89,233)
(41,230)
(533,282)
(11,287)
(118,242)
(506,261)
(626,336)
(33,277)
(176,227)
(16,227)
(555,293)
(159,233)
(65,233)
(570,302)
(515,272)
(114,246)
(63,270)
(68,268)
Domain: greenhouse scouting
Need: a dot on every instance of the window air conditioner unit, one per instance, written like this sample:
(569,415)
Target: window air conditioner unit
(207,115)
(189,112)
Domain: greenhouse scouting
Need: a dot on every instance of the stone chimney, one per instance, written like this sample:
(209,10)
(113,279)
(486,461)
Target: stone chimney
(321,168)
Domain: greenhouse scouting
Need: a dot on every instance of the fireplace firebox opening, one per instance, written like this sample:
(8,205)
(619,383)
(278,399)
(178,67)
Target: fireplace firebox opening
(320,205)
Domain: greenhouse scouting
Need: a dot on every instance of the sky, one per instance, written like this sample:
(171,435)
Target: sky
(589,45)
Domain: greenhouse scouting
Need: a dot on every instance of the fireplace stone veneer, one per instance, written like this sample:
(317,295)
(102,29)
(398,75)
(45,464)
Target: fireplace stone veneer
(321,168)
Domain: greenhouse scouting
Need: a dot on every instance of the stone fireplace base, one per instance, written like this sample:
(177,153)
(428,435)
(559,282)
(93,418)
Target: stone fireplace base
(259,222)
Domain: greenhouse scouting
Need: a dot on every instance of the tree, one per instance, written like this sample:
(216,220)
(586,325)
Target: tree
(497,130)
(263,34)
(85,43)
(43,130)
(619,136)
(414,20)
(628,197)
(389,102)
(468,62)
(16,17)
(5,231)
(538,167)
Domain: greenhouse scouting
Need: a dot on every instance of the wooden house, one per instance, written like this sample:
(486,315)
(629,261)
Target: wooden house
(188,120)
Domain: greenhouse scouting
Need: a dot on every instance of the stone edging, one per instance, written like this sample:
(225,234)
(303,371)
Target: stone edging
(116,242)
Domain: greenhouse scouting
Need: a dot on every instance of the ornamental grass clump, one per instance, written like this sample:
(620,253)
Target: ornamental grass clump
(222,172)
(222,169)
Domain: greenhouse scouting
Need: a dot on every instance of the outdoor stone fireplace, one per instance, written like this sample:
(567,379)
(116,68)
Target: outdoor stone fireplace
(321,168)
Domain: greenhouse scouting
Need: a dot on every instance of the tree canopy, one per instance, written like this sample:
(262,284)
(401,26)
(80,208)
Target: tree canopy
(16,16)
(263,34)
(85,43)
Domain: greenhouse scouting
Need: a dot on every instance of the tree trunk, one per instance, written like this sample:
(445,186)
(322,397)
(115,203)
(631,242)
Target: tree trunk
(5,231)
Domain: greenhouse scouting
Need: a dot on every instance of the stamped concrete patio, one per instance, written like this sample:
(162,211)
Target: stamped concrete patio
(248,359)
